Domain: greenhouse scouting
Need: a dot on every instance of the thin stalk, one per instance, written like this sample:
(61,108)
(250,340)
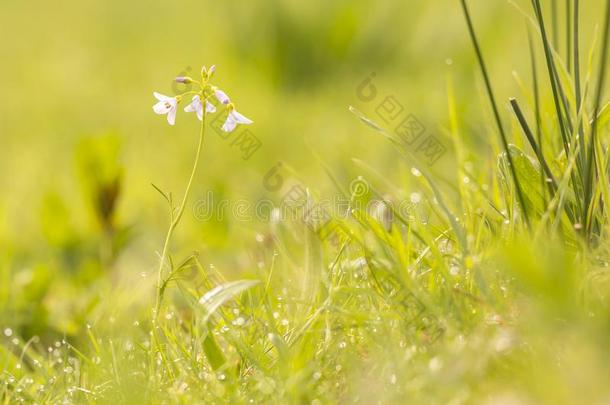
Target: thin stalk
(552,75)
(556,88)
(554,23)
(603,62)
(536,105)
(496,113)
(577,85)
(552,183)
(569,35)
(577,54)
(175,220)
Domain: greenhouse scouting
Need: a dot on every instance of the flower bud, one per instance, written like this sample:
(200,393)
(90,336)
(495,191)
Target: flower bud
(183,79)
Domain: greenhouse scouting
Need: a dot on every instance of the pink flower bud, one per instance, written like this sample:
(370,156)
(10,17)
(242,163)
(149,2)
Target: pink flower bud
(183,79)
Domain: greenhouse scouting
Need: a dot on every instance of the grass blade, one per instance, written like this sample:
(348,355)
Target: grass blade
(530,137)
(494,106)
(597,105)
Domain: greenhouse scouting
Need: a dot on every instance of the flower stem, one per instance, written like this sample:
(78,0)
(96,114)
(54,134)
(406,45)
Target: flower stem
(175,220)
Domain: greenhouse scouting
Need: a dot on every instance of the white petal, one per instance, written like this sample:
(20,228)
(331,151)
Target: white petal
(222,96)
(229,124)
(209,107)
(200,114)
(171,116)
(161,107)
(195,105)
(161,97)
(239,118)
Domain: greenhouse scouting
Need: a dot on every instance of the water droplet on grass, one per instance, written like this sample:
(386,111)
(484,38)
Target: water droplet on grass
(435,364)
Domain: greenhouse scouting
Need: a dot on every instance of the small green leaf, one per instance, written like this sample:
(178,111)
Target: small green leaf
(213,352)
(603,118)
(528,171)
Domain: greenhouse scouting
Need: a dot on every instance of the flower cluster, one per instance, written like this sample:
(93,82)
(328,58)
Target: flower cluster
(200,103)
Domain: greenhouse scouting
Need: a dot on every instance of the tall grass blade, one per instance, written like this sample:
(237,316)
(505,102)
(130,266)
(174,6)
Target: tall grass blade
(569,36)
(494,107)
(552,75)
(590,181)
(554,23)
(536,102)
(577,85)
(558,94)
(530,137)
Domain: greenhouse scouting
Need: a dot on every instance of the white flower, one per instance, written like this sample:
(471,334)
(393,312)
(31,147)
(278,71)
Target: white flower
(222,96)
(209,107)
(197,106)
(233,119)
(166,105)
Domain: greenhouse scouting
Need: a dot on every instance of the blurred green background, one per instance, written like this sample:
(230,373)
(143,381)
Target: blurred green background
(80,144)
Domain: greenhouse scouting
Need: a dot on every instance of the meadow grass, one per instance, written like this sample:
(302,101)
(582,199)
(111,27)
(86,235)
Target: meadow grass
(493,288)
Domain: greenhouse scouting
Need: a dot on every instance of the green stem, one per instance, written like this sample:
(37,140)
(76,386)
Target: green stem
(175,220)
